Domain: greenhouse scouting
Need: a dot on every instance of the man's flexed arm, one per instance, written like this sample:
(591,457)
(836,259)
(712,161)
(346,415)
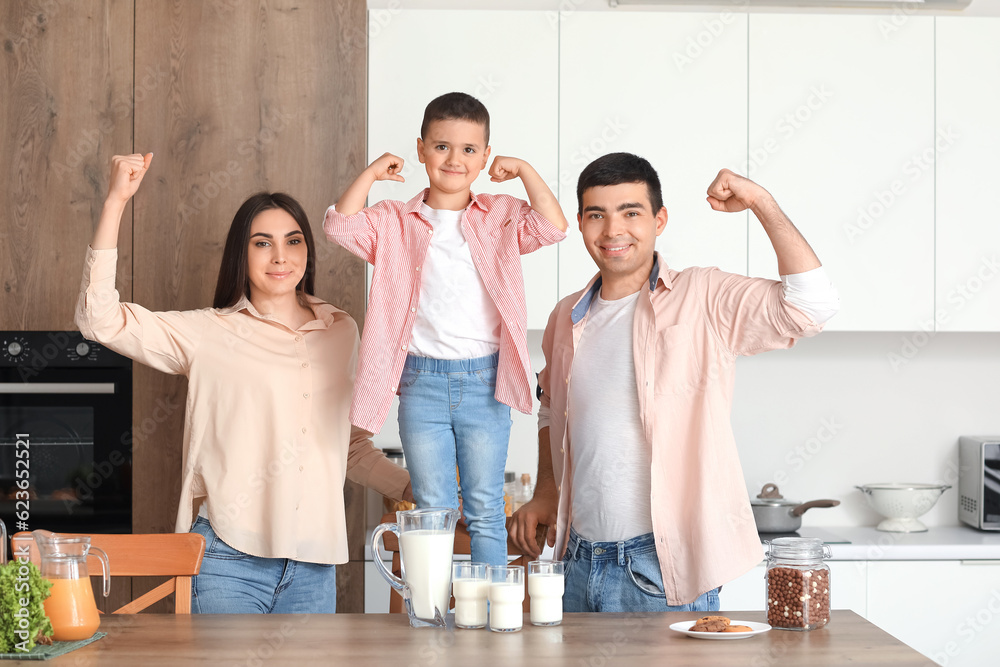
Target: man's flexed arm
(733,193)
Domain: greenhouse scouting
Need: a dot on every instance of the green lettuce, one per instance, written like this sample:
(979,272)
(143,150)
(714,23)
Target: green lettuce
(22,616)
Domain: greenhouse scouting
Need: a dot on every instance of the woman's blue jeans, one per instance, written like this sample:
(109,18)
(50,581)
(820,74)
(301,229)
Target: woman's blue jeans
(447,417)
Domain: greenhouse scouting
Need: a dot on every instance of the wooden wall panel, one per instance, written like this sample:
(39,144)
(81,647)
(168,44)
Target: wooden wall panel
(266,95)
(66,108)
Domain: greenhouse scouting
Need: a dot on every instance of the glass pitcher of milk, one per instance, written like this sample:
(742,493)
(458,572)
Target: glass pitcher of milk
(426,542)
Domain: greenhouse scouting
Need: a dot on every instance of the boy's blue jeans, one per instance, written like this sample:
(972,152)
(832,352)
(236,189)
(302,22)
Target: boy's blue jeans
(620,577)
(447,417)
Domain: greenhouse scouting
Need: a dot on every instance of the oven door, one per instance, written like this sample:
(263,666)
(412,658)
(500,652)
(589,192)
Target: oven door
(65,450)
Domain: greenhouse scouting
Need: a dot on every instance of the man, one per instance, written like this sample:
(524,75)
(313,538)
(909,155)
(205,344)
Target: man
(637,467)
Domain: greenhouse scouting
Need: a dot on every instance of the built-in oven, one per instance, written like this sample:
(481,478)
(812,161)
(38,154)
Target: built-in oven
(65,434)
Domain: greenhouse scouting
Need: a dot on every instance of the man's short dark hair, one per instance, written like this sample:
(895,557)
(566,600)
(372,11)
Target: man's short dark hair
(618,168)
(456,106)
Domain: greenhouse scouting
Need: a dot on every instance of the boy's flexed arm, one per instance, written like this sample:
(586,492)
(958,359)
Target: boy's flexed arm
(539,194)
(385,168)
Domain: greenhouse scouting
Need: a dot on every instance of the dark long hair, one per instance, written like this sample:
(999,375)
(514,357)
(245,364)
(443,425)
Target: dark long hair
(234,276)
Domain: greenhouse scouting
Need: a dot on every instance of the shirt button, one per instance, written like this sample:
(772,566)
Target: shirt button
(305,395)
(562,450)
(430,231)
(305,365)
(301,468)
(559,487)
(413,310)
(298,338)
(418,268)
(394,389)
(565,413)
(303,429)
(402,347)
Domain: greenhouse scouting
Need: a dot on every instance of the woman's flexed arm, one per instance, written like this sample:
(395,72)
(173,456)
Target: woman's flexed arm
(126,174)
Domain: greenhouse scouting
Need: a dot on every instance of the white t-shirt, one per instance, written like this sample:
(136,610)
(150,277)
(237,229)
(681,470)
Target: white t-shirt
(456,318)
(611,458)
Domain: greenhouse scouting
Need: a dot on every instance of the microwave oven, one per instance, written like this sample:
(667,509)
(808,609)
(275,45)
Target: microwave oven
(979,481)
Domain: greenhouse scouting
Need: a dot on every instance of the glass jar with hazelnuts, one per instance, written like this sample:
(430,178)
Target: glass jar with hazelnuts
(798,583)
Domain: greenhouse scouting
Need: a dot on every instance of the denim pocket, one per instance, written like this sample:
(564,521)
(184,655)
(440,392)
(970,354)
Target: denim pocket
(214,546)
(642,577)
(408,377)
(487,376)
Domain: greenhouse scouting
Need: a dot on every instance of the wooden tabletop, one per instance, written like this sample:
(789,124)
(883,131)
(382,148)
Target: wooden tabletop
(597,640)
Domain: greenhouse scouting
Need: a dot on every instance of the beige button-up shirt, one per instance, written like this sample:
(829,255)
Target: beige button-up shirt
(688,329)
(267,439)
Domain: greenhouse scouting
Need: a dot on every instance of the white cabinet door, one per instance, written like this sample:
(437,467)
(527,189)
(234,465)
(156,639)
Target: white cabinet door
(670,87)
(968,171)
(848,580)
(841,114)
(947,610)
(416,55)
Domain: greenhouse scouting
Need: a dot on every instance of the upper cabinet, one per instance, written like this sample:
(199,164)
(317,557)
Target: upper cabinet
(670,87)
(967,145)
(841,118)
(509,61)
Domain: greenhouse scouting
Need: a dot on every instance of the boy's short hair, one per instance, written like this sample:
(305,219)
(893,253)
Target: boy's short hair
(456,106)
(618,168)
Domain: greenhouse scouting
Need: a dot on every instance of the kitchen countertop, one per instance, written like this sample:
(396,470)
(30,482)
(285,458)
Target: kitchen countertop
(386,639)
(938,543)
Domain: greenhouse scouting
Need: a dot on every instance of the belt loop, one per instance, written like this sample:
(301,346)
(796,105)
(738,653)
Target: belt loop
(621,554)
(574,546)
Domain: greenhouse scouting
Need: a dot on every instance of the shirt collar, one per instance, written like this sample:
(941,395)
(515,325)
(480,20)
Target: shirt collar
(325,313)
(583,305)
(413,206)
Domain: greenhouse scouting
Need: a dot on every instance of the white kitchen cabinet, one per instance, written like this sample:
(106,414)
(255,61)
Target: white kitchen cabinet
(506,59)
(947,610)
(670,87)
(967,147)
(847,578)
(841,113)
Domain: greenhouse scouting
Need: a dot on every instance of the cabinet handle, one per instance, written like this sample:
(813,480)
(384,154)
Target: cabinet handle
(981,562)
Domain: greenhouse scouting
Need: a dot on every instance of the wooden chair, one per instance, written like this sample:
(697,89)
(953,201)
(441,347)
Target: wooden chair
(174,555)
(463,545)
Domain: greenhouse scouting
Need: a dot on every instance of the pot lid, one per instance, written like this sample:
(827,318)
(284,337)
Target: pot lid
(770,497)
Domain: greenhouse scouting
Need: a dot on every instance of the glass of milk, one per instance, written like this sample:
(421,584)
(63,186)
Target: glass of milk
(545,589)
(470,586)
(506,597)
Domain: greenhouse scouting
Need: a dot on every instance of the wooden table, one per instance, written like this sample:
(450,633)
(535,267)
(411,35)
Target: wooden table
(583,640)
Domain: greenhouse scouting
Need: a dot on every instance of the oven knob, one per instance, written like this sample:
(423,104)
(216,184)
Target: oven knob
(14,348)
(82,349)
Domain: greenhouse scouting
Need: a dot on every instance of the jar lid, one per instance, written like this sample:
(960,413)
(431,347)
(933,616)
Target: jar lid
(797,548)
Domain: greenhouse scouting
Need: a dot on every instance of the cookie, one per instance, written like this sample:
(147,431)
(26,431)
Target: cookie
(714,625)
(738,628)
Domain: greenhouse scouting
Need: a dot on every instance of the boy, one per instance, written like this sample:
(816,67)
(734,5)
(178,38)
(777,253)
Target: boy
(446,321)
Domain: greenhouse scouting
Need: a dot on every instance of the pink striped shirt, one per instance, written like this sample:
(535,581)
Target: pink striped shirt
(394,237)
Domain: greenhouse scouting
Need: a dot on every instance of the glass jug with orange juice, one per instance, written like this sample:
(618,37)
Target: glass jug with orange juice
(70,605)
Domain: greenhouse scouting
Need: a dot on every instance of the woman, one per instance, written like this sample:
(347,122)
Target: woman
(267,440)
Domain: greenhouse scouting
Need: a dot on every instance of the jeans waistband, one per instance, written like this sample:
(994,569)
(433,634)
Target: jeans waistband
(452,365)
(580,548)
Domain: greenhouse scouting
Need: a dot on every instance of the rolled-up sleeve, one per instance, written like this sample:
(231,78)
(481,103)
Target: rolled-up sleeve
(752,315)
(534,230)
(162,340)
(368,466)
(358,233)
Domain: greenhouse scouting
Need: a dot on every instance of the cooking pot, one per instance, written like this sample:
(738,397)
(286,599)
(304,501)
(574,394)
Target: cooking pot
(774,514)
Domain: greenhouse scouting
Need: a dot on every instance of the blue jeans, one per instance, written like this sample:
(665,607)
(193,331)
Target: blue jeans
(447,417)
(620,576)
(232,582)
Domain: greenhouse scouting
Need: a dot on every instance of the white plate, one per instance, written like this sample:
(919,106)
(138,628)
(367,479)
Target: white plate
(758,628)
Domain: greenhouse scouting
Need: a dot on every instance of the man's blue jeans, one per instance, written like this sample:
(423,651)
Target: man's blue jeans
(447,417)
(232,582)
(620,576)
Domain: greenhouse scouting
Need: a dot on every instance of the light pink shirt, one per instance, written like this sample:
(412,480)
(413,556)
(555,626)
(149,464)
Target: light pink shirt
(394,237)
(688,329)
(266,434)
